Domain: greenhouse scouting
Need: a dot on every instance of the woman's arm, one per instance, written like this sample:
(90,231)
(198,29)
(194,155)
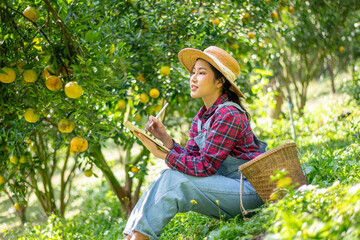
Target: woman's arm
(224,134)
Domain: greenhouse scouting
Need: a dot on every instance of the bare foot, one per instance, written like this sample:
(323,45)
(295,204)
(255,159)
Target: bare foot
(128,237)
(139,236)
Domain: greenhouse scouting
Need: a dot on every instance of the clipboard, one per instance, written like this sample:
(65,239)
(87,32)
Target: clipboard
(133,128)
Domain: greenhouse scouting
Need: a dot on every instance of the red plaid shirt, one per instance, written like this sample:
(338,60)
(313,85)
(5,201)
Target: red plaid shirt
(229,134)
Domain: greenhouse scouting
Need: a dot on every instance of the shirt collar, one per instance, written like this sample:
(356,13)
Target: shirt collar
(206,113)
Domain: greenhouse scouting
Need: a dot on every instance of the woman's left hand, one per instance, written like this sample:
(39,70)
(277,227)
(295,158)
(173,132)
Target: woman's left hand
(151,146)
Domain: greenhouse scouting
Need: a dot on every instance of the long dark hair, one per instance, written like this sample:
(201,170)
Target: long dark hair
(226,89)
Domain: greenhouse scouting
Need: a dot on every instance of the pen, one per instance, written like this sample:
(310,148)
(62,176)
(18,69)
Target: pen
(158,115)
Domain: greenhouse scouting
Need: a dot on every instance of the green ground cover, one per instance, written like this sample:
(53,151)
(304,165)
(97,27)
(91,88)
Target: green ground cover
(327,208)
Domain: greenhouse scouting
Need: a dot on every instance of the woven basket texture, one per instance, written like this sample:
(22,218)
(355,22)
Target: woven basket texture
(259,169)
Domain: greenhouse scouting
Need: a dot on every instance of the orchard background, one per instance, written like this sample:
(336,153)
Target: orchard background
(72,72)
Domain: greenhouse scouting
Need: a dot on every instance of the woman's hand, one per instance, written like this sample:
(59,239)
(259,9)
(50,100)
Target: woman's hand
(153,148)
(158,130)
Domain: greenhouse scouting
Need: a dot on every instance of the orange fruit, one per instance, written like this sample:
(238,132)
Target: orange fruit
(9,75)
(144,98)
(14,160)
(134,169)
(140,77)
(32,115)
(17,206)
(215,21)
(78,144)
(30,75)
(2,180)
(48,71)
(165,70)
(246,16)
(267,1)
(23,159)
(88,173)
(341,49)
(32,13)
(73,90)
(251,35)
(121,103)
(291,9)
(157,108)
(274,14)
(138,117)
(66,125)
(53,83)
(154,93)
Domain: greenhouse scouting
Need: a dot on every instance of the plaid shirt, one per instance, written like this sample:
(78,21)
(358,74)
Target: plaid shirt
(229,134)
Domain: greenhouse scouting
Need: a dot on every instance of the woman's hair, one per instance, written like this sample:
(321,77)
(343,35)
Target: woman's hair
(226,89)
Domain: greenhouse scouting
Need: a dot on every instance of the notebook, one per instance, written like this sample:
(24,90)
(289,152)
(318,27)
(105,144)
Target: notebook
(133,128)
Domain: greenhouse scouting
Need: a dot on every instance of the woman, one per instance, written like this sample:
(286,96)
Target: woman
(203,176)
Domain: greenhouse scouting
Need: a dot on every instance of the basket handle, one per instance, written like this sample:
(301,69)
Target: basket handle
(244,212)
(302,165)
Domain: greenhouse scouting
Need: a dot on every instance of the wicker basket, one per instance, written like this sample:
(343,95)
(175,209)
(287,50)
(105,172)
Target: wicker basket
(259,169)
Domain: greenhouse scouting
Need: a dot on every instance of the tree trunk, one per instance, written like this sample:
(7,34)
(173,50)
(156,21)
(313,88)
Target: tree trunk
(110,177)
(274,113)
(331,74)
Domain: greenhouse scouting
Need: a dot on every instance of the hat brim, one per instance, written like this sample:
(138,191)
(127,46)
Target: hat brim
(188,57)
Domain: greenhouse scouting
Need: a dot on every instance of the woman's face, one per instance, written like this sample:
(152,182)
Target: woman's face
(203,84)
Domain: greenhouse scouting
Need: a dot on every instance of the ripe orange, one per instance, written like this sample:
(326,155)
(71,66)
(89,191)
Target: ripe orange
(88,173)
(140,77)
(121,103)
(274,14)
(291,9)
(267,1)
(32,13)
(134,169)
(73,90)
(78,144)
(30,75)
(17,206)
(66,125)
(251,35)
(154,93)
(341,49)
(48,71)
(165,70)
(14,160)
(9,75)
(2,180)
(32,115)
(144,98)
(53,83)
(215,21)
(246,16)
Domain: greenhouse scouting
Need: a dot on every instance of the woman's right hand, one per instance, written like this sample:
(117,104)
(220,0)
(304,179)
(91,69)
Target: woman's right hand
(157,129)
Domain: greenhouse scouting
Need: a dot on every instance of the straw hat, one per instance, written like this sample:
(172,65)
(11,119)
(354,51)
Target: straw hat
(218,58)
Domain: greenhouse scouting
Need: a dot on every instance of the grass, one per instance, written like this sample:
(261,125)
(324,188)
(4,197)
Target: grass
(329,146)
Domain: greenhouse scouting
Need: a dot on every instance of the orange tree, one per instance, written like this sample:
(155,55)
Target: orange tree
(309,37)
(80,69)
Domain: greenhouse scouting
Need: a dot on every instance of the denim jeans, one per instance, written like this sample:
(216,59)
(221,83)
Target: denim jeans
(172,192)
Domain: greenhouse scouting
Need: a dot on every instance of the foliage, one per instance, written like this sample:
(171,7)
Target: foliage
(99,218)
(317,213)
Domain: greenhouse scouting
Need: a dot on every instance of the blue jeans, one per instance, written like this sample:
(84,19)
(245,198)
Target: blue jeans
(172,193)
